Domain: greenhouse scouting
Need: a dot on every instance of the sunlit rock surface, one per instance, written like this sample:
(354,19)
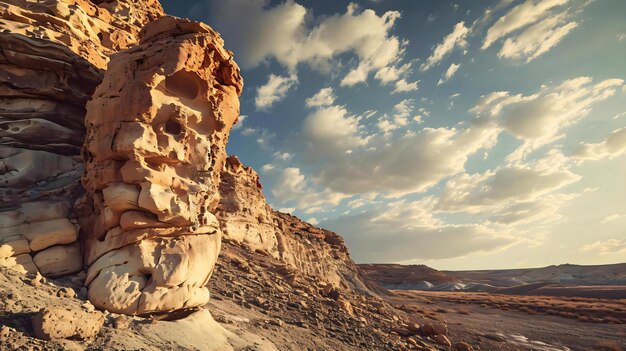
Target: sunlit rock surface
(157,128)
(51,59)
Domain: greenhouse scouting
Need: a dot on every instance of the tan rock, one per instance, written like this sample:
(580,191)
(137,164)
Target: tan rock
(53,53)
(59,260)
(247,219)
(435,328)
(463,346)
(157,128)
(58,323)
(345,305)
(442,340)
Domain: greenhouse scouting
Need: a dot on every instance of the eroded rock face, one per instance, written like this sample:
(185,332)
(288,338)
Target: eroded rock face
(246,218)
(51,57)
(157,127)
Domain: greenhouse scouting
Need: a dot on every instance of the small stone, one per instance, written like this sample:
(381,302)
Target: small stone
(277,322)
(442,340)
(435,328)
(66,292)
(4,332)
(121,322)
(463,346)
(37,280)
(414,327)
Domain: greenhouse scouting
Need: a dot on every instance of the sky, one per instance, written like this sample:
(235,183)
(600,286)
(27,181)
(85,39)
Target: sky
(460,135)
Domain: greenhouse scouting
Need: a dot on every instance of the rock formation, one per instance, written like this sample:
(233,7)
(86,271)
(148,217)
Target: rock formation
(246,218)
(157,128)
(154,150)
(51,58)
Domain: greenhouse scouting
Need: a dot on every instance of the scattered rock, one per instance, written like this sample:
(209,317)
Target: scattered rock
(121,322)
(58,323)
(277,322)
(435,328)
(463,346)
(414,327)
(66,292)
(442,340)
(36,280)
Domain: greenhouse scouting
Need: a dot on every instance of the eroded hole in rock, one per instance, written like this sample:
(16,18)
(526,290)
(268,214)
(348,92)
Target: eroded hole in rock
(173,128)
(183,84)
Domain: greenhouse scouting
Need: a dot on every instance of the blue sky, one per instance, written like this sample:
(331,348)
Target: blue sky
(462,135)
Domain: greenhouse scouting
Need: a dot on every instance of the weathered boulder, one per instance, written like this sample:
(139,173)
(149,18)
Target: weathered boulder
(157,128)
(59,323)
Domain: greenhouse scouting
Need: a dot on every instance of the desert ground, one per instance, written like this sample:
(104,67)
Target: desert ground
(515,322)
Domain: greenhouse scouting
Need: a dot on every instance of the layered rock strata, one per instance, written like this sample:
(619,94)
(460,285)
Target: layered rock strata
(157,127)
(247,219)
(51,59)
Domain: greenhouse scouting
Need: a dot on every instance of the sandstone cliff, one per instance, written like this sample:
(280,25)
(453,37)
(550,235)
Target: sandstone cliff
(51,58)
(246,218)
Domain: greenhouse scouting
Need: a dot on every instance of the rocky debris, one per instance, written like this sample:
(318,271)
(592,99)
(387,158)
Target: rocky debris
(66,292)
(59,323)
(157,128)
(50,63)
(435,328)
(306,306)
(463,346)
(442,340)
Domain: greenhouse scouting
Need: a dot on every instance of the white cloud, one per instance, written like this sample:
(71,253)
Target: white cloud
(290,34)
(453,40)
(266,168)
(400,118)
(508,189)
(293,187)
(332,130)
(537,39)
(392,73)
(404,86)
(405,230)
(614,145)
(612,217)
(324,97)
(313,221)
(283,156)
(621,37)
(449,73)
(520,16)
(538,119)
(402,165)
(286,209)
(606,246)
(249,131)
(240,121)
(273,91)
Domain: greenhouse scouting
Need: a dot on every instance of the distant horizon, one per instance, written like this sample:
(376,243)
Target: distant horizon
(495,269)
(473,134)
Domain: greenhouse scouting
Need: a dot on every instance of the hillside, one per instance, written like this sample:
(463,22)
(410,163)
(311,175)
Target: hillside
(406,277)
